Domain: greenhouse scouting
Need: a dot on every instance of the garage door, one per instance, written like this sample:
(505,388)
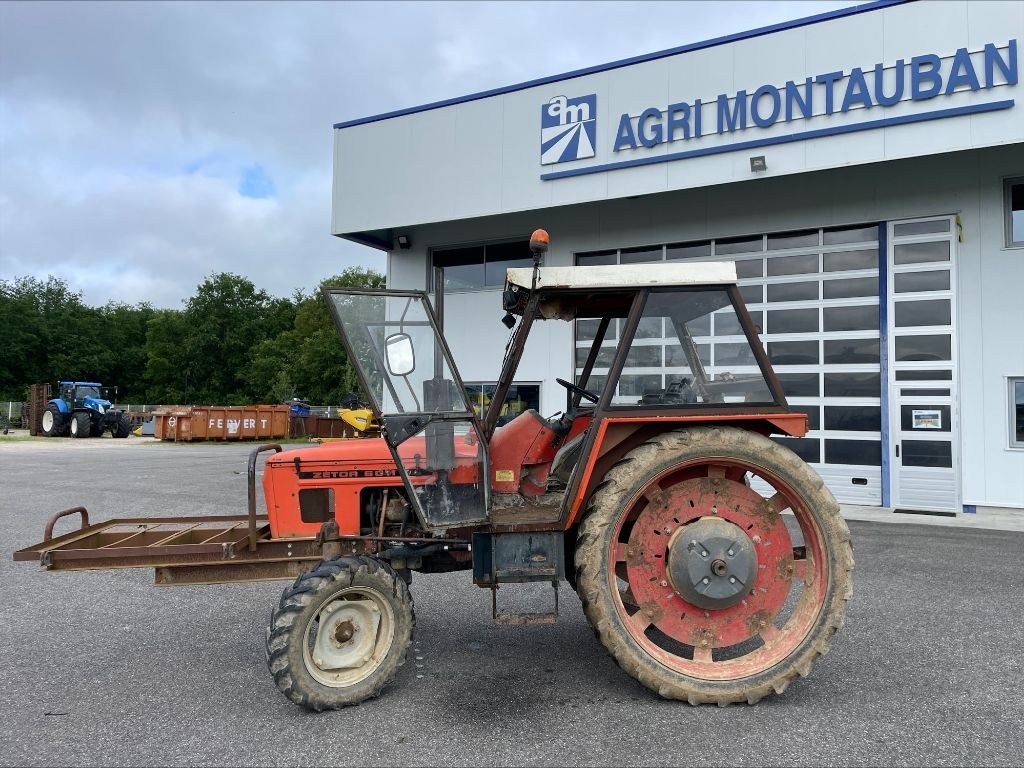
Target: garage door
(815,296)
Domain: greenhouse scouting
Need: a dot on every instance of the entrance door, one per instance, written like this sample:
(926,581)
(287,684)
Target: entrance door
(923,413)
(430,427)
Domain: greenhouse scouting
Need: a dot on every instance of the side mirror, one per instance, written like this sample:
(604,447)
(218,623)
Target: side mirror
(399,353)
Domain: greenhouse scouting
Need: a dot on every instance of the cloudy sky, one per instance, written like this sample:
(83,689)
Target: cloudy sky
(145,145)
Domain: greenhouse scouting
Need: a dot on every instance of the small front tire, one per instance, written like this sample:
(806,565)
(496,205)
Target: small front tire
(340,633)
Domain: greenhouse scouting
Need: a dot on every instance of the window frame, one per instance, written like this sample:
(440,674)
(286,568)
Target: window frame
(1013,443)
(1008,240)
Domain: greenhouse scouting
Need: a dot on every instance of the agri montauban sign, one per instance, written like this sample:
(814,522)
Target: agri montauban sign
(569,128)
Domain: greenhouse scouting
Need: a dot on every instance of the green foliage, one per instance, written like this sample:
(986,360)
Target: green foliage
(231,345)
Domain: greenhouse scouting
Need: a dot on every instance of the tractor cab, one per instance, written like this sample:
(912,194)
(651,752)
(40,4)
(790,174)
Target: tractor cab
(460,469)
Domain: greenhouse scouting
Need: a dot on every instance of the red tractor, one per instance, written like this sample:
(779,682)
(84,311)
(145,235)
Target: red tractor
(711,561)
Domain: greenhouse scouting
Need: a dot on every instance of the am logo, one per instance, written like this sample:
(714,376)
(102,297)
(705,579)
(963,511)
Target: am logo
(568,129)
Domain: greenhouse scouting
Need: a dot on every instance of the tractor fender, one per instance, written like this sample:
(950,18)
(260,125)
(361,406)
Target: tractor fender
(617,435)
(61,405)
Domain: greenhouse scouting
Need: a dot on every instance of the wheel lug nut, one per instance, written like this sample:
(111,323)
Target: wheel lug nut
(664,583)
(731,553)
(703,554)
(732,579)
(706,580)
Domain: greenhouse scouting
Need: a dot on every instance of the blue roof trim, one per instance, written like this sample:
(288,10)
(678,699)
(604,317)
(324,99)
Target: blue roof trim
(817,18)
(936,114)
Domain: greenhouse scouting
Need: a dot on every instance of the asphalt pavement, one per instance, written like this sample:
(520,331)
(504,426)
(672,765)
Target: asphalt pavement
(104,668)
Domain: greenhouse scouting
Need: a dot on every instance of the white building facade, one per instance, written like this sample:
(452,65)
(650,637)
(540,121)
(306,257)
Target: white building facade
(865,170)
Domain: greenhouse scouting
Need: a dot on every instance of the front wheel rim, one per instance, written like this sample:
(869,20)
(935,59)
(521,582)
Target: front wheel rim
(742,639)
(348,637)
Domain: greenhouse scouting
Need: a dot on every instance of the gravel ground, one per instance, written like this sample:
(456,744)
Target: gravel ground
(104,668)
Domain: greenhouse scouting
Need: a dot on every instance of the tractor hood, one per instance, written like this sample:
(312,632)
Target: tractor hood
(96,404)
(369,453)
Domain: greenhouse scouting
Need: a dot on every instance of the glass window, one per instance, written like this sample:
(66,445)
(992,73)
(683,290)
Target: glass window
(463,267)
(800,384)
(793,352)
(640,255)
(911,313)
(605,355)
(919,375)
(397,350)
(915,282)
(736,377)
(853,418)
(1017,412)
(841,261)
(851,351)
(792,291)
(853,384)
(688,250)
(752,294)
(793,265)
(737,245)
(502,256)
(916,253)
(910,228)
(862,318)
(850,288)
(480,266)
(597,258)
(586,330)
(923,347)
(807,239)
(1014,212)
(747,268)
(793,321)
(927,453)
(864,452)
(843,235)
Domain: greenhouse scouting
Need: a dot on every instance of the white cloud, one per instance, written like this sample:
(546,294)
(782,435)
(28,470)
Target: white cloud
(126,128)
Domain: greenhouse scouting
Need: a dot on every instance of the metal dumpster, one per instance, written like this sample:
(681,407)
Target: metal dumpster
(243,422)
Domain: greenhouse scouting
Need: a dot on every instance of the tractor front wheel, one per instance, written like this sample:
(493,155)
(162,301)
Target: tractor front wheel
(694,579)
(340,633)
(122,427)
(81,424)
(54,422)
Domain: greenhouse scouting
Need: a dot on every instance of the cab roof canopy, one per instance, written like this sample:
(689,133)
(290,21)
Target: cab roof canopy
(568,293)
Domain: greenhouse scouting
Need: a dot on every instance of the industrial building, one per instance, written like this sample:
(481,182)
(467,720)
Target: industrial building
(864,168)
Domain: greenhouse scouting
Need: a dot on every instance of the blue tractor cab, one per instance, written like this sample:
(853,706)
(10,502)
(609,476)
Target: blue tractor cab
(84,409)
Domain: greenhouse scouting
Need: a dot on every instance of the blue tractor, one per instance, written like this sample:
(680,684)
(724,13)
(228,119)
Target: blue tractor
(83,410)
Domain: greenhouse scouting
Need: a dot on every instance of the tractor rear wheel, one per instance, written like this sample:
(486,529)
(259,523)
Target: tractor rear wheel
(696,583)
(54,422)
(340,633)
(81,424)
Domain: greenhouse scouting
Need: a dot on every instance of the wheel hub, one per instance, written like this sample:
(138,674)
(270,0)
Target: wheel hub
(347,634)
(712,563)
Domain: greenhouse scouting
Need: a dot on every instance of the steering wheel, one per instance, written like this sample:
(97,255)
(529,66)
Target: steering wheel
(586,394)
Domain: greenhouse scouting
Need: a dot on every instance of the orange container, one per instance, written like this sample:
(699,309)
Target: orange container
(243,422)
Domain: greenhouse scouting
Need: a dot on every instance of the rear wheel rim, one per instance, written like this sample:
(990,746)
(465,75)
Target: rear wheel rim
(760,628)
(47,421)
(348,637)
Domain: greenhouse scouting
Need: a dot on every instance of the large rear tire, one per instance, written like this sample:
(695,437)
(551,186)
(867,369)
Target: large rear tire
(81,424)
(694,582)
(54,422)
(122,427)
(340,633)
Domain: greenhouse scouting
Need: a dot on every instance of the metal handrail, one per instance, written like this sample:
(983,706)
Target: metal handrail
(48,533)
(253,536)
